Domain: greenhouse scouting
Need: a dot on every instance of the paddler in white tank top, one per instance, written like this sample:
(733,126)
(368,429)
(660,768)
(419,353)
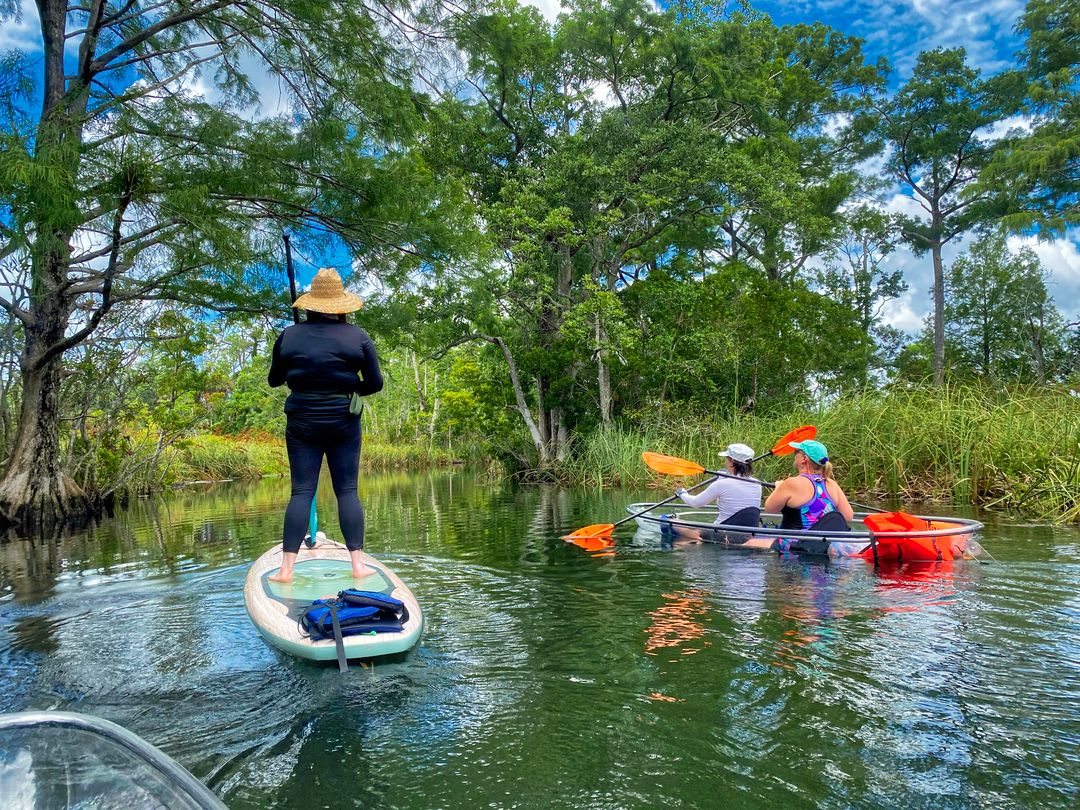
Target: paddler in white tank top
(729,494)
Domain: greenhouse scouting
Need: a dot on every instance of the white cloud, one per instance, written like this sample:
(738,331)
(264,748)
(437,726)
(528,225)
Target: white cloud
(905,204)
(904,312)
(1013,125)
(902,28)
(22,32)
(549,8)
(972,24)
(1061,257)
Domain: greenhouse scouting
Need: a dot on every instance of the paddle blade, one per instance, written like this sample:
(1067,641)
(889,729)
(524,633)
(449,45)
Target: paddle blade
(670,465)
(895,522)
(799,434)
(600,546)
(597,530)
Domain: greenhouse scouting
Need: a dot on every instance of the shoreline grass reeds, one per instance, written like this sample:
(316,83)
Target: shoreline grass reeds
(214,457)
(220,457)
(1016,449)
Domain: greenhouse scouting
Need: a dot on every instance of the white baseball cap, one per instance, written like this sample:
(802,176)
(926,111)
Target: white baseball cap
(738,452)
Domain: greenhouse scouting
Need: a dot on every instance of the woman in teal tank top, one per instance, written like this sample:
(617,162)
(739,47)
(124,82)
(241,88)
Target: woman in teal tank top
(802,499)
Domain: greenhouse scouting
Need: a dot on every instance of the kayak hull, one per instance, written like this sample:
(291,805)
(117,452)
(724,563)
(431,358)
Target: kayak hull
(65,759)
(922,539)
(320,572)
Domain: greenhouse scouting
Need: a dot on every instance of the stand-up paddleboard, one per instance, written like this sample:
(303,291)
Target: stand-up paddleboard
(321,572)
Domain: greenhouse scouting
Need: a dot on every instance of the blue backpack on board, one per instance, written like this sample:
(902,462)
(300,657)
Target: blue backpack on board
(357,612)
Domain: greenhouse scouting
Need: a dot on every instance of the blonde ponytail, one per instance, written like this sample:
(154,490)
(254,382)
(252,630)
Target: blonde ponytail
(824,470)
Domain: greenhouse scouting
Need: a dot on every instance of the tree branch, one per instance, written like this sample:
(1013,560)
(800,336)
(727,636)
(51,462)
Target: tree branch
(102,62)
(79,335)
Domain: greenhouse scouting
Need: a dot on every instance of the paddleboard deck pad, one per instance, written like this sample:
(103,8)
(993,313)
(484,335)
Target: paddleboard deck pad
(320,572)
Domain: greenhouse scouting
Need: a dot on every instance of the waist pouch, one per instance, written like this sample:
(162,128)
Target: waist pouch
(307,400)
(358,612)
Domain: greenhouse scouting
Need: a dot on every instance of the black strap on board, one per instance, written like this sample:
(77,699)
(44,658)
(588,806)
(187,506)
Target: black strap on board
(339,644)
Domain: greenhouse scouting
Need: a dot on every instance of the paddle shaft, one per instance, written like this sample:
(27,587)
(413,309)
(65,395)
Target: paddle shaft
(313,516)
(661,503)
(291,274)
(719,474)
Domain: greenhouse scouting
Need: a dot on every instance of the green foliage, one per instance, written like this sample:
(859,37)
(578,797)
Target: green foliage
(1017,448)
(628,214)
(618,144)
(735,340)
(1002,322)
(1039,167)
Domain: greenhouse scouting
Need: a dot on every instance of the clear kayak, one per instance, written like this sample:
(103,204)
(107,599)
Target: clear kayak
(62,759)
(909,537)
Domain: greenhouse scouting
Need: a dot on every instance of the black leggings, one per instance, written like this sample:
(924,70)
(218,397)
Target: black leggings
(307,440)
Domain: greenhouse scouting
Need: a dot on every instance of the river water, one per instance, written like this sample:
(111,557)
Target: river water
(548,676)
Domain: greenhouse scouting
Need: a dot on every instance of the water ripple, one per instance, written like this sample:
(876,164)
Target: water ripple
(547,675)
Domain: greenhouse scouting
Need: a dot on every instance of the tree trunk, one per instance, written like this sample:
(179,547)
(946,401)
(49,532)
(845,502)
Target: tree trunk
(434,412)
(421,399)
(35,492)
(562,444)
(603,374)
(1035,332)
(541,446)
(543,420)
(939,315)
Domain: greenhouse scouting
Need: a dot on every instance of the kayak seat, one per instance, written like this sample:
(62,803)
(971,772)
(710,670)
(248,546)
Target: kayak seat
(747,516)
(831,522)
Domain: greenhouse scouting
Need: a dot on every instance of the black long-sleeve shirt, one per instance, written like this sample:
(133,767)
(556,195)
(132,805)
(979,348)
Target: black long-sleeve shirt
(323,356)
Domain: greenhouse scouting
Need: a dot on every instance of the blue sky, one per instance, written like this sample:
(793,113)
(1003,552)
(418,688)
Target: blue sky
(900,29)
(895,29)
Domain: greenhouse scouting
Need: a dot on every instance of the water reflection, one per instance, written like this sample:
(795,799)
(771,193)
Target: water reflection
(677,622)
(632,676)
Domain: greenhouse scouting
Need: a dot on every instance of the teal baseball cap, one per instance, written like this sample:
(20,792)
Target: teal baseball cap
(815,450)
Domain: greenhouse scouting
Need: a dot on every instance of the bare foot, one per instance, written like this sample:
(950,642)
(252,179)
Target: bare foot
(360,572)
(281,576)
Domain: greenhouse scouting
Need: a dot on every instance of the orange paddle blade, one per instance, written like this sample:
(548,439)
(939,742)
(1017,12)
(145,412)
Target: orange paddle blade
(600,546)
(799,434)
(597,530)
(670,465)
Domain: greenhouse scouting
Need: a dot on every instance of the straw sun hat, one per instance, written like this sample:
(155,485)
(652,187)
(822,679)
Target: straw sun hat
(327,295)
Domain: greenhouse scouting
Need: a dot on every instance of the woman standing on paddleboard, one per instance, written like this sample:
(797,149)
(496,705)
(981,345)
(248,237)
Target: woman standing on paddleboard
(328,365)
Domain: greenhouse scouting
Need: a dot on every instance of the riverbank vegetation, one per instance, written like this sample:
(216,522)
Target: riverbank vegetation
(1016,448)
(573,236)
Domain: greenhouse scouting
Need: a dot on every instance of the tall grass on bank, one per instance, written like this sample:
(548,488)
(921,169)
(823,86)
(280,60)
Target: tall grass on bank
(1018,449)
(220,458)
(211,457)
(216,458)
